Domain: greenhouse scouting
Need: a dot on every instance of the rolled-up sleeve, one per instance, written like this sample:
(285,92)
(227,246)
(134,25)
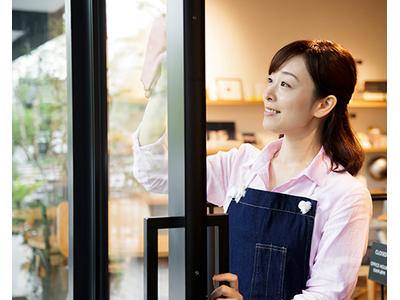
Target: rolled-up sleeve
(150,164)
(226,169)
(343,243)
(219,170)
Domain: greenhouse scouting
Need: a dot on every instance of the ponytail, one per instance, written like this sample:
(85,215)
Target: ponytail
(341,144)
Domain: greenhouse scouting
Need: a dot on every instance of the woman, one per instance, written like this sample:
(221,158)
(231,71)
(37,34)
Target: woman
(298,218)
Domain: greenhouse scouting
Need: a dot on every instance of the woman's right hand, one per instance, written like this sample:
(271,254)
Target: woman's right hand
(154,78)
(155,55)
(224,291)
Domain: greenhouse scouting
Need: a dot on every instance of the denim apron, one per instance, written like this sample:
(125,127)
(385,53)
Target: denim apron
(269,239)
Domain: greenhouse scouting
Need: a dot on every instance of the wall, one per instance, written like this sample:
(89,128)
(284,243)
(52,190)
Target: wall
(242,36)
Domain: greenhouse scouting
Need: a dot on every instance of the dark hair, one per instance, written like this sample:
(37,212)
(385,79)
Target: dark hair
(334,72)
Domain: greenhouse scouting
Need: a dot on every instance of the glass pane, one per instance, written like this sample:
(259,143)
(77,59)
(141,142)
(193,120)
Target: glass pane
(136,41)
(39,116)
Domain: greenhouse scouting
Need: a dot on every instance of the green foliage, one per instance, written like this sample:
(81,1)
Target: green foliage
(23,129)
(20,190)
(39,109)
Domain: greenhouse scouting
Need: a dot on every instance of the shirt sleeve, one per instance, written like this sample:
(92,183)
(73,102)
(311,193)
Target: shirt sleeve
(150,164)
(219,168)
(150,168)
(343,244)
(225,170)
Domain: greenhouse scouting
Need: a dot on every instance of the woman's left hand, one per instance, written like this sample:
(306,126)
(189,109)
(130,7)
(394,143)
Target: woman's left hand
(224,291)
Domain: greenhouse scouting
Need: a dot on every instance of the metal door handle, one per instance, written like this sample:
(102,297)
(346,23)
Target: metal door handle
(151,227)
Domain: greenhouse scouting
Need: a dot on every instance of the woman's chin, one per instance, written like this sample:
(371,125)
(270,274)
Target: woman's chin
(270,126)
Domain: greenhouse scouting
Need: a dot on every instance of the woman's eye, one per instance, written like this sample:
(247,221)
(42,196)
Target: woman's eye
(269,80)
(285,84)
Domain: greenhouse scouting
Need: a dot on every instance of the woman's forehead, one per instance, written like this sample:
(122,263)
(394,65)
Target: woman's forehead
(294,66)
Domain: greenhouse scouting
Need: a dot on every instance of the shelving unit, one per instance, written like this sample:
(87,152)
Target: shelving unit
(367,104)
(375,150)
(356,103)
(234,102)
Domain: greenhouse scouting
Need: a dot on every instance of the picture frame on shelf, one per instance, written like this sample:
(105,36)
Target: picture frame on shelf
(220,130)
(229,89)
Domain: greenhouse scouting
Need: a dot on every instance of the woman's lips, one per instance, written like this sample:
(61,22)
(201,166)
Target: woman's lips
(270,111)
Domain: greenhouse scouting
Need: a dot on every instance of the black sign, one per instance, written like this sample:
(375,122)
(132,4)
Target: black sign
(378,264)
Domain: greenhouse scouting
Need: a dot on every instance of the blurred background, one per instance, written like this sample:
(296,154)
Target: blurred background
(241,37)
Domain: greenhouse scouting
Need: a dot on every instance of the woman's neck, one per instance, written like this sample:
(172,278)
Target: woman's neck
(298,151)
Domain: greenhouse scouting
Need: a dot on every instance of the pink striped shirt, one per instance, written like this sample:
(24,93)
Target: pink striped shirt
(344,207)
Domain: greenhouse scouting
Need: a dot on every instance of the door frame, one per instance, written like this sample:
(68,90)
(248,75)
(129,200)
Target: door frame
(88,153)
(88,149)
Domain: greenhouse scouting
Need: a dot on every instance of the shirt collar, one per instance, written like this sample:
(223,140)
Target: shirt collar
(317,170)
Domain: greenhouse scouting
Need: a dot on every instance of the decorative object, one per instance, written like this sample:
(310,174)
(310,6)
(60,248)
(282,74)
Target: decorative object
(229,89)
(375,91)
(237,192)
(249,137)
(304,206)
(220,131)
(377,168)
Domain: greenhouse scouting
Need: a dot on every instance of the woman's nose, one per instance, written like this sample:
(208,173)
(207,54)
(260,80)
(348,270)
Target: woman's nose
(268,94)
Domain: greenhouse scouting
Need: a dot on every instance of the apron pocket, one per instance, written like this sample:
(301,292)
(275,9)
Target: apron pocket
(268,272)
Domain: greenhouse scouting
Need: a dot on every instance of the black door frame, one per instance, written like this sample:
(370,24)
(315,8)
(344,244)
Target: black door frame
(88,149)
(88,157)
(195,150)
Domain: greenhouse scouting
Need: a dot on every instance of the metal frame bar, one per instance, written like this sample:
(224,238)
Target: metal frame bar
(88,155)
(195,150)
(151,227)
(222,222)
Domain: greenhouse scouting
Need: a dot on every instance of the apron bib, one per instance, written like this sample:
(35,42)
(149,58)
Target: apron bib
(269,239)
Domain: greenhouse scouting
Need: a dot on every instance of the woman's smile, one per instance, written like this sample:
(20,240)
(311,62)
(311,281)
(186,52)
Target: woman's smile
(270,111)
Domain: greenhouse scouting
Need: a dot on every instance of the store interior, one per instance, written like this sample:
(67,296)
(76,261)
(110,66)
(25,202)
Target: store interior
(241,38)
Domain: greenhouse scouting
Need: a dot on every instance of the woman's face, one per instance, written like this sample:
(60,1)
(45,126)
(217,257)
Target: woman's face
(289,99)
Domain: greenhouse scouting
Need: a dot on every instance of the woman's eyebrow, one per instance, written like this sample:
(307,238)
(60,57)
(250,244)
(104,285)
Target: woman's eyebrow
(291,74)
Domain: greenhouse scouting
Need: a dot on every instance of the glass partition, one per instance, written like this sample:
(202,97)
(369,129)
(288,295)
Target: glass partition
(39,125)
(136,61)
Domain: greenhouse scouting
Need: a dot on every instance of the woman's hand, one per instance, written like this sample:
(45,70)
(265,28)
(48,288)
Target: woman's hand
(224,291)
(154,78)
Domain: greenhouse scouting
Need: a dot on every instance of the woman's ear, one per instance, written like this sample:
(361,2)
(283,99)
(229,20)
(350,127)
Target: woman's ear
(324,106)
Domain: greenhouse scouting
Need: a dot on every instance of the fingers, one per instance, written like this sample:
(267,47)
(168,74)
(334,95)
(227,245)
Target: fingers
(156,46)
(229,277)
(225,292)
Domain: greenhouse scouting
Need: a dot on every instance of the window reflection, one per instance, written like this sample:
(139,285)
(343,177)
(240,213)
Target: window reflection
(129,23)
(39,123)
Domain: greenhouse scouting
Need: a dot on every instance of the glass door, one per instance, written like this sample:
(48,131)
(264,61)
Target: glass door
(40,151)
(87,203)
(156,144)
(137,75)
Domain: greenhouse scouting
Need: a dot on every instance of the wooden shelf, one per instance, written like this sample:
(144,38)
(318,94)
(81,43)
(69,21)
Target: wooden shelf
(234,102)
(356,103)
(353,103)
(375,150)
(211,151)
(367,104)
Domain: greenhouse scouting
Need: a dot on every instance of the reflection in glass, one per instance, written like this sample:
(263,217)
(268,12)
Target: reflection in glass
(39,116)
(129,23)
